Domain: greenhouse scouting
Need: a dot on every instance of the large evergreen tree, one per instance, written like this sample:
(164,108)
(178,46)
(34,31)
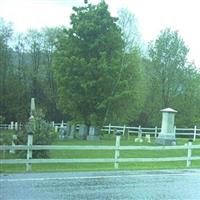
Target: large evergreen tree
(94,86)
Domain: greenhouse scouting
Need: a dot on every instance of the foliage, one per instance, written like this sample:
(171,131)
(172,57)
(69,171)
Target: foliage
(6,137)
(130,33)
(94,84)
(2,119)
(167,61)
(94,72)
(168,57)
(43,133)
(189,94)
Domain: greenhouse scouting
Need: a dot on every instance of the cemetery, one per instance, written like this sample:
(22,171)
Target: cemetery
(87,95)
(99,100)
(79,147)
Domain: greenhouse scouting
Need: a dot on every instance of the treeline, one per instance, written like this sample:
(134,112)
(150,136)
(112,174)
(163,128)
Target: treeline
(95,72)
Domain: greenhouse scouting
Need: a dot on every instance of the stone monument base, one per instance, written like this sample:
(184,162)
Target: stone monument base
(165,141)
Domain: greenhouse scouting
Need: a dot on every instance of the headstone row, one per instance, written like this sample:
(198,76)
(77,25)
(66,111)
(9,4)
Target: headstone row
(69,132)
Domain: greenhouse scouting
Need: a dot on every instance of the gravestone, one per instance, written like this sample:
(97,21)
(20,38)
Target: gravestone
(148,138)
(68,131)
(72,132)
(14,138)
(167,136)
(62,132)
(56,129)
(93,133)
(139,137)
(83,131)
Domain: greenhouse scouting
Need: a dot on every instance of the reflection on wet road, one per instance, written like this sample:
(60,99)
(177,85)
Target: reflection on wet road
(117,185)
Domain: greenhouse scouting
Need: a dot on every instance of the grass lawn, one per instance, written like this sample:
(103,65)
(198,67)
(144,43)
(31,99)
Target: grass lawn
(106,140)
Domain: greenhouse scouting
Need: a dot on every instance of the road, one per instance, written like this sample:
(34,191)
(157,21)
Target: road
(116,185)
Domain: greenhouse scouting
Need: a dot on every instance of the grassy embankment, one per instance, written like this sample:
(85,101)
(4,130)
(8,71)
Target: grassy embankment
(106,140)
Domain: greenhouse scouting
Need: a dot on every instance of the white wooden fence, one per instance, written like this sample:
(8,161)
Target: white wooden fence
(11,126)
(191,132)
(116,160)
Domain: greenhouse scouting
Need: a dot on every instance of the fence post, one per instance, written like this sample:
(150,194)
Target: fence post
(56,129)
(195,133)
(12,125)
(156,132)
(124,129)
(175,131)
(109,129)
(117,145)
(140,133)
(29,151)
(128,134)
(16,126)
(62,125)
(189,162)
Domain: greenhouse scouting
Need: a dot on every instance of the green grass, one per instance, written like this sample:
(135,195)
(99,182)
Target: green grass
(106,140)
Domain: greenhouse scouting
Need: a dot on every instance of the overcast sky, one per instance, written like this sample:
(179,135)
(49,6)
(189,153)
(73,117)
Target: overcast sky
(152,15)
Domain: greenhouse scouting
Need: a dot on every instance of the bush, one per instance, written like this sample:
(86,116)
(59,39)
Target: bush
(2,119)
(6,137)
(43,134)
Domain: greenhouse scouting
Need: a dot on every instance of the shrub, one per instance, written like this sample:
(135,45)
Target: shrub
(43,134)
(2,119)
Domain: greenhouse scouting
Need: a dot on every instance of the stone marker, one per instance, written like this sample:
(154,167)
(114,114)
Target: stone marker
(93,133)
(14,138)
(139,137)
(72,132)
(83,131)
(62,132)
(167,135)
(148,138)
(68,130)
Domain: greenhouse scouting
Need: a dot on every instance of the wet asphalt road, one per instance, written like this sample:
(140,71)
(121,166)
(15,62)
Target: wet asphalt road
(116,185)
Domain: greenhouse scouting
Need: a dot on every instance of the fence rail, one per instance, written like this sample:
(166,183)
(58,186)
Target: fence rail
(116,160)
(123,129)
(80,147)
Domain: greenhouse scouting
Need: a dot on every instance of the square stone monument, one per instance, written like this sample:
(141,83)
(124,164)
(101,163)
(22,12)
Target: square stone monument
(167,136)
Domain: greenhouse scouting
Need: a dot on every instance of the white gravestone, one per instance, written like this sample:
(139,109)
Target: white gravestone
(139,137)
(167,136)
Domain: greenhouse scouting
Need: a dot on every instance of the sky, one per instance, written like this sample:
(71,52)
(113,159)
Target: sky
(152,17)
